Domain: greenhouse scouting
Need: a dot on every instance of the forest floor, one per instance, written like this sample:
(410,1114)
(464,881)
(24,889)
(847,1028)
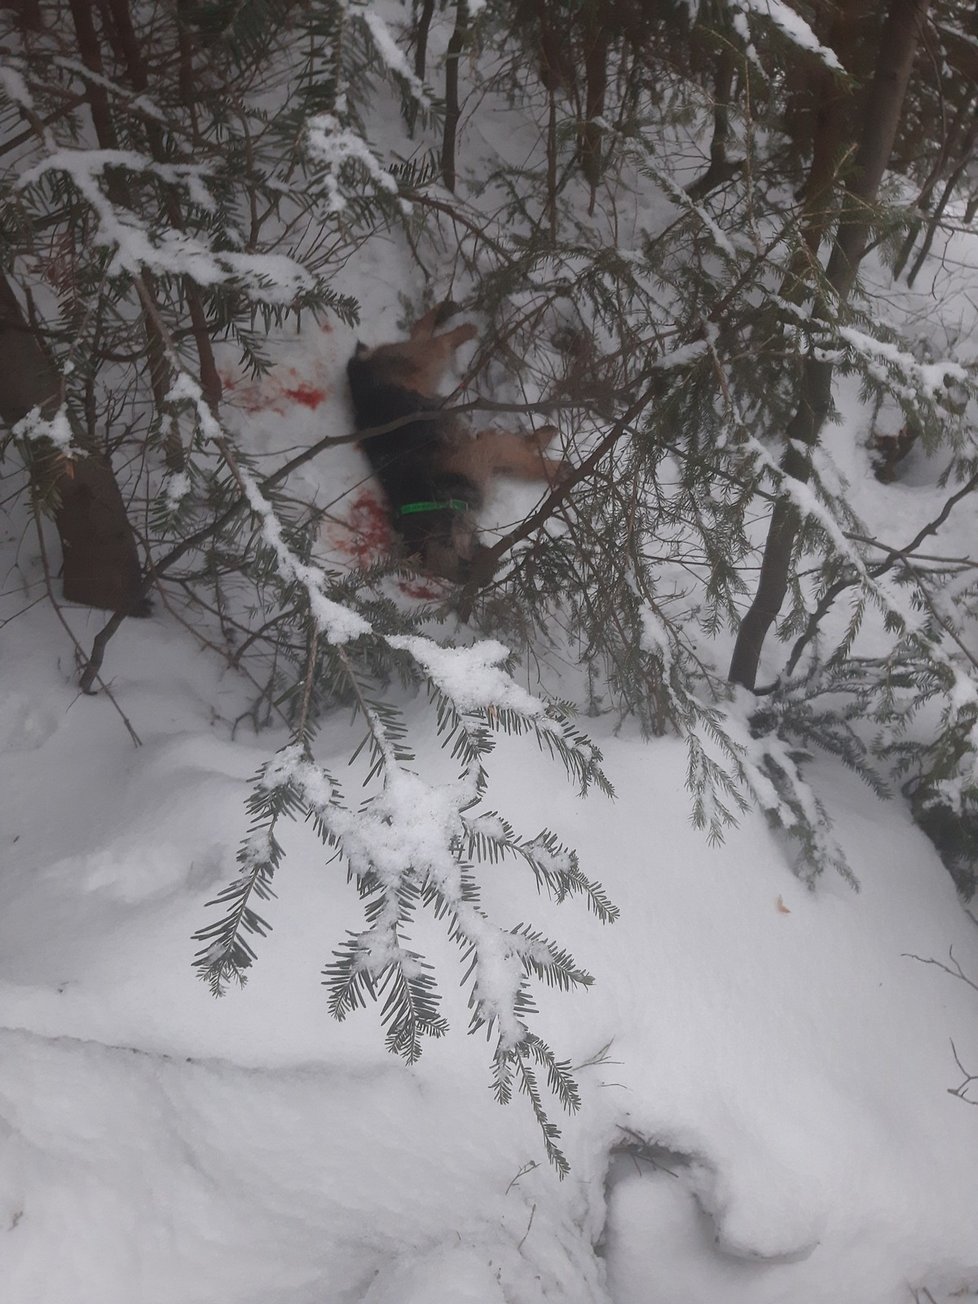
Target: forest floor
(768,1072)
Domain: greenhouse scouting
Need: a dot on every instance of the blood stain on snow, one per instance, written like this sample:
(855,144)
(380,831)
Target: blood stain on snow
(367,538)
(308,395)
(274,394)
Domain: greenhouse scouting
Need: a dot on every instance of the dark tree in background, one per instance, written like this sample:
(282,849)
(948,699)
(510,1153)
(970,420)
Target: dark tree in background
(879,110)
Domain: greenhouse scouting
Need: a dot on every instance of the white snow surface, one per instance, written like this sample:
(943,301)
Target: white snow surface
(766,1070)
(160,1145)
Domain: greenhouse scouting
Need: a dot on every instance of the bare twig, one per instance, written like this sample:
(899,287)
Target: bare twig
(954,968)
(961,1090)
(533,1210)
(895,555)
(486,562)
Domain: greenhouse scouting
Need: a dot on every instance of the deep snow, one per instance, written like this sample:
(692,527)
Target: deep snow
(766,1070)
(160,1144)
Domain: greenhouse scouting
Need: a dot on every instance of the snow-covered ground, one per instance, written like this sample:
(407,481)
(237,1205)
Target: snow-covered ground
(767,1071)
(784,1060)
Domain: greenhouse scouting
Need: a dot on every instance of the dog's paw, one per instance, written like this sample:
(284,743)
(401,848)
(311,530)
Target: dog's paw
(559,472)
(445,312)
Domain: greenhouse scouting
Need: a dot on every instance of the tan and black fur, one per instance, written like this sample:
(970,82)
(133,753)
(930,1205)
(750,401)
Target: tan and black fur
(435,459)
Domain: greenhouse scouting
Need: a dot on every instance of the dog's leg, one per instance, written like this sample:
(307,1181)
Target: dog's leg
(506,453)
(426,325)
(456,337)
(432,357)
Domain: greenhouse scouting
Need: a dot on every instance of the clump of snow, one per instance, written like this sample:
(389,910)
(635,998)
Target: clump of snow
(471,676)
(176,488)
(791,25)
(393,56)
(56,428)
(292,766)
(332,145)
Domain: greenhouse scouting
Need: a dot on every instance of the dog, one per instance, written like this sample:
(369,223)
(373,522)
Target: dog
(433,470)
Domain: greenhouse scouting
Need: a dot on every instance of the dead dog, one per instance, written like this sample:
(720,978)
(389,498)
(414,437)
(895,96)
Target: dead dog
(433,470)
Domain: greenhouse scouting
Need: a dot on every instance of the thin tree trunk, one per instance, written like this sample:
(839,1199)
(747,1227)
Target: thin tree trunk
(894,63)
(591,134)
(420,53)
(833,121)
(452,110)
(552,168)
(836,107)
(720,169)
(948,146)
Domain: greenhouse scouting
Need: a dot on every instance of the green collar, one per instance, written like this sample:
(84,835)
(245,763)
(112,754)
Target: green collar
(449,505)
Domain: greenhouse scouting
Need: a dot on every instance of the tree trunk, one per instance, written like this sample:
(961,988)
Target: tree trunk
(591,135)
(100,562)
(894,62)
(720,169)
(833,121)
(421,31)
(452,110)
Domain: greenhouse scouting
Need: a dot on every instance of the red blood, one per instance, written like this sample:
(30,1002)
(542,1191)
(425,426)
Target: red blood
(369,535)
(270,394)
(368,538)
(308,395)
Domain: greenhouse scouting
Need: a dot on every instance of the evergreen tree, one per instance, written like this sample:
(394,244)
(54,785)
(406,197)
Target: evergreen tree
(670,269)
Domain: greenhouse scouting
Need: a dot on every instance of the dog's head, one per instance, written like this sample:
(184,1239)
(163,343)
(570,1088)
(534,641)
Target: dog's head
(417,364)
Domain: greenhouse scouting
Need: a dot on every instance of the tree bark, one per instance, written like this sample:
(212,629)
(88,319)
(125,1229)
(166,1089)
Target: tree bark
(894,63)
(720,169)
(421,32)
(100,561)
(591,136)
(452,109)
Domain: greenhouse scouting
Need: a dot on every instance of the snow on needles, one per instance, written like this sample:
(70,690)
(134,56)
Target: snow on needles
(332,145)
(930,377)
(338,623)
(271,278)
(411,830)
(56,428)
(392,55)
(792,26)
(470,676)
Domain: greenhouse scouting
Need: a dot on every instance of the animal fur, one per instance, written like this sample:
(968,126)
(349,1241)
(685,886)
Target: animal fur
(435,458)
